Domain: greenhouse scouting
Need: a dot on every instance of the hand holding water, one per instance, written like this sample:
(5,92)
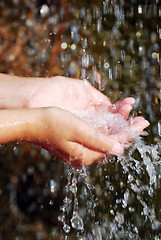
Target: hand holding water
(76,142)
(48,106)
(73,94)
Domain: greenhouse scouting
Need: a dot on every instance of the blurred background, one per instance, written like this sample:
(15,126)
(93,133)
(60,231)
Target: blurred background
(121,41)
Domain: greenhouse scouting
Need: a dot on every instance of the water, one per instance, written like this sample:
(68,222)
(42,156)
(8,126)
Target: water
(106,123)
(137,189)
(131,208)
(116,46)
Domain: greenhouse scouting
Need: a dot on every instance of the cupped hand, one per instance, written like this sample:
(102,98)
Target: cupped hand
(73,94)
(74,141)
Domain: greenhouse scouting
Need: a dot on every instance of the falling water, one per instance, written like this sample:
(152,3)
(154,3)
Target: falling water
(133,168)
(104,57)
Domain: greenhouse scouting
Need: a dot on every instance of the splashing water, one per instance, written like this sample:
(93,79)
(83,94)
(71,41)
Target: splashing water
(106,123)
(116,226)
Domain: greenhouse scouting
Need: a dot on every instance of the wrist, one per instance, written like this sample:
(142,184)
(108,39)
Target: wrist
(20,125)
(33,127)
(16,91)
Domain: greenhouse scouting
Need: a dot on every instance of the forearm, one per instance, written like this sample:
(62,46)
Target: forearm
(19,124)
(15,91)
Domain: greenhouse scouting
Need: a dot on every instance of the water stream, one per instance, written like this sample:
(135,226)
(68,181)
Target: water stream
(111,41)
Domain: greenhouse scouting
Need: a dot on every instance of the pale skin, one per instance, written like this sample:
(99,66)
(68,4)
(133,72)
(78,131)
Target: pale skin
(40,111)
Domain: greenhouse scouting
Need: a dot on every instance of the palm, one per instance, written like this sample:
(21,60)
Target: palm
(73,95)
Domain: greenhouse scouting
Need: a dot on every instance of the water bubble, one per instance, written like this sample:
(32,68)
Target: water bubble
(73,188)
(44,11)
(64,45)
(112,211)
(73,47)
(159,33)
(141,51)
(85,60)
(77,222)
(99,25)
(51,202)
(61,218)
(111,188)
(126,198)
(140,9)
(84,42)
(52,186)
(154,55)
(66,228)
(159,128)
(106,65)
(30,170)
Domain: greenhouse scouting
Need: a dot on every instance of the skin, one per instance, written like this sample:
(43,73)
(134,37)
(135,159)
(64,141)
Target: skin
(41,112)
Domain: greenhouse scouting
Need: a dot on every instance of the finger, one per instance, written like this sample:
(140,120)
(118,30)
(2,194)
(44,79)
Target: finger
(80,132)
(124,110)
(77,155)
(138,123)
(89,137)
(135,126)
(123,107)
(82,154)
(128,100)
(97,97)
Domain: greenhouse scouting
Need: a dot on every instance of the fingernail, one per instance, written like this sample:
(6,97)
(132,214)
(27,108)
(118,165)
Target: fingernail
(147,123)
(133,100)
(117,149)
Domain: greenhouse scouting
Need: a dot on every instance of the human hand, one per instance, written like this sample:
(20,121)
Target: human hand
(63,134)
(67,93)
(74,141)
(73,94)
(68,140)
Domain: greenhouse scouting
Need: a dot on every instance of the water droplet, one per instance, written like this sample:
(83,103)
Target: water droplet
(85,60)
(140,9)
(111,188)
(66,228)
(73,188)
(61,218)
(84,42)
(77,222)
(44,11)
(30,170)
(159,128)
(67,200)
(64,45)
(99,25)
(51,202)
(52,186)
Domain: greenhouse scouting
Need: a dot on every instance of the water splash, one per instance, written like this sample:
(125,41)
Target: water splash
(134,170)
